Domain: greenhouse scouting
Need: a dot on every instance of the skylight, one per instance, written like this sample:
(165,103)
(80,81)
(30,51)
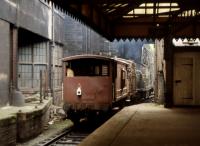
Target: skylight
(148,8)
(188,13)
(124,5)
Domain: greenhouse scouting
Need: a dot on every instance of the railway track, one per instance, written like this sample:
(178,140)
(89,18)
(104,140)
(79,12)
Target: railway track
(68,137)
(73,136)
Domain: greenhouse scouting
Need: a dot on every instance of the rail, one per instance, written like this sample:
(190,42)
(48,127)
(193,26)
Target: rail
(67,137)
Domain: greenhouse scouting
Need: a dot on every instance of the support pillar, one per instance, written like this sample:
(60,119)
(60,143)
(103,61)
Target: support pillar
(13,63)
(168,56)
(15,54)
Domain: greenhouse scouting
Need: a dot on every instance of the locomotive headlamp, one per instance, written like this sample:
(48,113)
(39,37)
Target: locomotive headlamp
(78,90)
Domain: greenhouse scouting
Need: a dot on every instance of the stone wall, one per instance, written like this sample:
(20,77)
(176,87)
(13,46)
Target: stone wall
(36,17)
(32,122)
(4,62)
(33,15)
(8,131)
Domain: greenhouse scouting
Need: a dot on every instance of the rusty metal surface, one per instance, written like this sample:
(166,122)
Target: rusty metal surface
(118,81)
(94,90)
(99,92)
(125,87)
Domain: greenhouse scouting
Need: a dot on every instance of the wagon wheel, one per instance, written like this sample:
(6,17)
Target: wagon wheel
(73,116)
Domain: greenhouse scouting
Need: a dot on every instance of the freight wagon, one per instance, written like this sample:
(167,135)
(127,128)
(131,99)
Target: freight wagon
(93,83)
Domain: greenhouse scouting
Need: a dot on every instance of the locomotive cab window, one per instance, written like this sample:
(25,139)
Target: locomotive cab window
(104,70)
(69,71)
(123,77)
(88,67)
(97,70)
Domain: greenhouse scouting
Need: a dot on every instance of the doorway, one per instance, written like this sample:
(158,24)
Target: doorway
(183,79)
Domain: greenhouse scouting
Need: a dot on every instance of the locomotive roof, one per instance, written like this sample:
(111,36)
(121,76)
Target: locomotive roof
(124,61)
(92,56)
(85,56)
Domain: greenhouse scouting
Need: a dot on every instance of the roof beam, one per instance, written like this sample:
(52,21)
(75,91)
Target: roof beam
(112,24)
(123,11)
(142,30)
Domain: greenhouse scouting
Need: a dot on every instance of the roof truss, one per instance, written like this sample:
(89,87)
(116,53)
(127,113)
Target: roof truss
(136,18)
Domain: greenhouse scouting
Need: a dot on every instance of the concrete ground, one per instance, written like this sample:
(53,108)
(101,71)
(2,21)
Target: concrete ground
(149,125)
(29,107)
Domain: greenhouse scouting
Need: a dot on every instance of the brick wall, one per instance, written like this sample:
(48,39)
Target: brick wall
(8,131)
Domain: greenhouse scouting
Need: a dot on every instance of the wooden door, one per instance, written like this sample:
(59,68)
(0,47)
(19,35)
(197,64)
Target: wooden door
(183,81)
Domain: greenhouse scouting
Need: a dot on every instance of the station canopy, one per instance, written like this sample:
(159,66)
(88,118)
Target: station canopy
(136,18)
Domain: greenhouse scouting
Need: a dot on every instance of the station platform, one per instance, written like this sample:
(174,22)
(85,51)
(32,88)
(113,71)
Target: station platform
(18,124)
(149,124)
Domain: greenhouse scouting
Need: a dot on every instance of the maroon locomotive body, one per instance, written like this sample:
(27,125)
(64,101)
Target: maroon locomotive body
(94,83)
